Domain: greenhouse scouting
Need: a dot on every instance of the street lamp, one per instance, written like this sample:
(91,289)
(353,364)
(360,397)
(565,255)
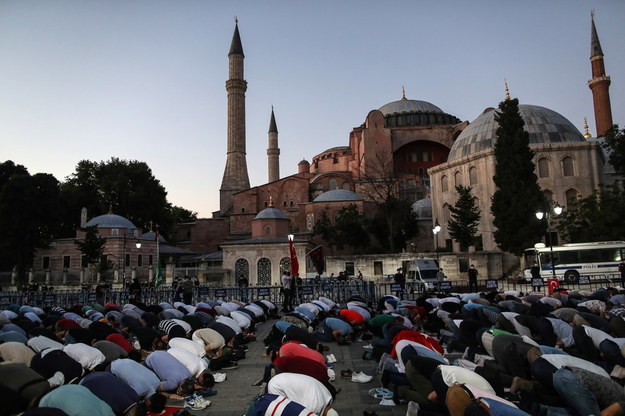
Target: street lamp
(436,230)
(557,210)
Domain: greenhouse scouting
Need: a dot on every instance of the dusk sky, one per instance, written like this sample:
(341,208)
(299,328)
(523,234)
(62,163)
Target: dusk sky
(145,79)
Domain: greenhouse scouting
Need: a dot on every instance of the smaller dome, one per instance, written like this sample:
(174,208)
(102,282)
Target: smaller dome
(271,213)
(423,208)
(304,162)
(338,195)
(111,221)
(151,235)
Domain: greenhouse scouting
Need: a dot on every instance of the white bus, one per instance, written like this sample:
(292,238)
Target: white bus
(598,260)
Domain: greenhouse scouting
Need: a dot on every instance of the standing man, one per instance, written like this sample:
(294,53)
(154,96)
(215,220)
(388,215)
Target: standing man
(440,276)
(621,268)
(401,279)
(187,290)
(287,292)
(535,272)
(472,273)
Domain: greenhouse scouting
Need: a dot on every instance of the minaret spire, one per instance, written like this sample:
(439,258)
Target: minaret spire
(235,177)
(273,151)
(505,81)
(600,83)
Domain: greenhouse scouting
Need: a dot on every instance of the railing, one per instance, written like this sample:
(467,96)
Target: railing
(338,291)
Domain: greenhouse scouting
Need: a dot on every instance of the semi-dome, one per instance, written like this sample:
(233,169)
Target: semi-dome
(409,106)
(423,208)
(111,221)
(271,213)
(542,124)
(336,195)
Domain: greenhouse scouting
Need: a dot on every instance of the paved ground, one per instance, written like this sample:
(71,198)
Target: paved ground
(235,393)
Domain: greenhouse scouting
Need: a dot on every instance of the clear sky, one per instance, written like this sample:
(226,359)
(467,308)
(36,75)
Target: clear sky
(145,79)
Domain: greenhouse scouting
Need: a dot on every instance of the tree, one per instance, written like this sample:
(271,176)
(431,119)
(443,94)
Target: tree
(349,228)
(181,215)
(614,143)
(394,222)
(128,188)
(465,217)
(518,196)
(29,211)
(597,217)
(92,247)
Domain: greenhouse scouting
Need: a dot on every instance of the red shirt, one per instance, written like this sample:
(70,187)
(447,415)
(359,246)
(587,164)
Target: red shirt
(352,316)
(418,337)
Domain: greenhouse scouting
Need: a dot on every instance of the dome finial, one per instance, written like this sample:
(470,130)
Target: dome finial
(110,209)
(236,20)
(270,201)
(507,90)
(586,132)
(403,93)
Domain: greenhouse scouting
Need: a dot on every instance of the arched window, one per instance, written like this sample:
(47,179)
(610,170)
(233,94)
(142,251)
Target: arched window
(241,268)
(543,168)
(264,271)
(571,195)
(457,178)
(444,184)
(332,184)
(285,264)
(346,186)
(472,175)
(267,230)
(548,195)
(568,166)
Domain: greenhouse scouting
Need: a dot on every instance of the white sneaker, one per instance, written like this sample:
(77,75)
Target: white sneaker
(368,347)
(413,409)
(219,377)
(331,374)
(58,379)
(361,378)
(330,358)
(195,403)
(333,358)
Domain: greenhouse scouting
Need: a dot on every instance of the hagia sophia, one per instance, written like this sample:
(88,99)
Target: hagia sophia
(430,150)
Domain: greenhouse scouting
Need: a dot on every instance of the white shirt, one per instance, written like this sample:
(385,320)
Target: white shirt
(596,335)
(257,310)
(194,364)
(40,343)
(184,324)
(87,356)
(564,360)
(300,388)
(241,318)
(231,323)
(186,344)
(458,375)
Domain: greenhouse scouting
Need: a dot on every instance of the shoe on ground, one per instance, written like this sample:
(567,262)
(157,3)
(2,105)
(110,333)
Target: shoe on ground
(381,393)
(219,377)
(195,403)
(258,382)
(331,374)
(333,358)
(361,378)
(346,373)
(330,359)
(205,392)
(368,347)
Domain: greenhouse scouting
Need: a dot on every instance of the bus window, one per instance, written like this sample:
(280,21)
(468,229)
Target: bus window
(569,257)
(545,259)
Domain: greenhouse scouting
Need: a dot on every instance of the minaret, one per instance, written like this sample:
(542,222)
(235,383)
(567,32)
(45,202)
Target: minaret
(273,151)
(599,84)
(235,174)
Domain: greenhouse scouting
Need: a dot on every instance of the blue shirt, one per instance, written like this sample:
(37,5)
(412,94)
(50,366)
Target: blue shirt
(117,394)
(337,324)
(142,380)
(169,370)
(76,400)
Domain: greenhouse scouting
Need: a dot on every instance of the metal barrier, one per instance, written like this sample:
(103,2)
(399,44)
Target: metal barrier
(338,291)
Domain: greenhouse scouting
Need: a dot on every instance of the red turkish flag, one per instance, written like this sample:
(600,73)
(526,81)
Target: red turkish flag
(293,254)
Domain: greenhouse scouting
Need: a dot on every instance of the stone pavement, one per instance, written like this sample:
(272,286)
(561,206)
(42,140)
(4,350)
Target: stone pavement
(235,393)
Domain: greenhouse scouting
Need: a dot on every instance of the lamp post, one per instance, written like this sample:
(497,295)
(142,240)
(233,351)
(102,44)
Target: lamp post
(436,230)
(137,244)
(557,210)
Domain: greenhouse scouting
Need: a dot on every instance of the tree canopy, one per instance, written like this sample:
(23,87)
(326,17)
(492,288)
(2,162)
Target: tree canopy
(614,143)
(518,196)
(348,229)
(597,217)
(465,218)
(29,212)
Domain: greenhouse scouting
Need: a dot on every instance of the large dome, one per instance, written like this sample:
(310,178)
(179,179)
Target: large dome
(409,106)
(542,124)
(338,195)
(111,221)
